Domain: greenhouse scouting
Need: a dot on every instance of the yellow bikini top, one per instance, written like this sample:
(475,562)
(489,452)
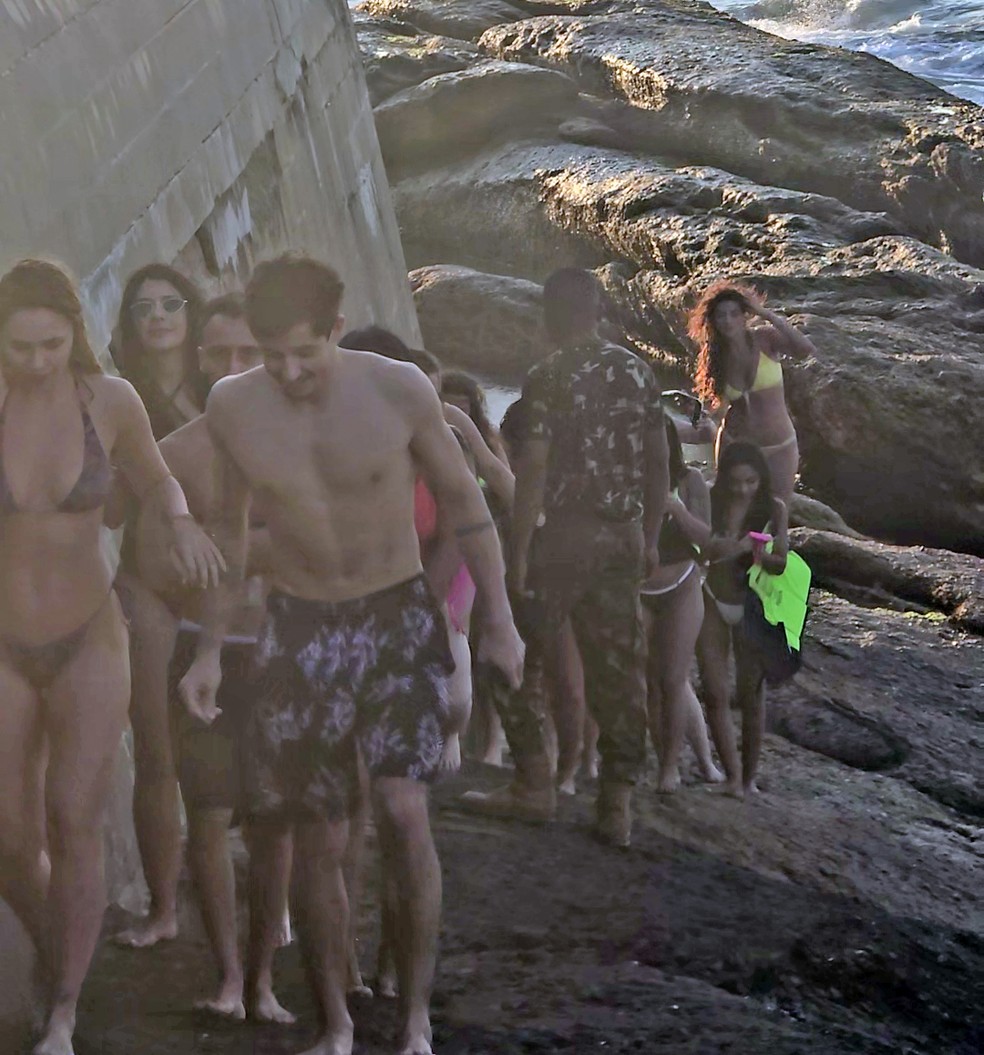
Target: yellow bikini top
(768,374)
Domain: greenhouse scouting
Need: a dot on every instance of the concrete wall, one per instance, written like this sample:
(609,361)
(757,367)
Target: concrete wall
(207,132)
(211,132)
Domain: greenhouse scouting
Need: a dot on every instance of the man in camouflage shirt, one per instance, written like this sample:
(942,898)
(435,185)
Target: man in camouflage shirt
(594,463)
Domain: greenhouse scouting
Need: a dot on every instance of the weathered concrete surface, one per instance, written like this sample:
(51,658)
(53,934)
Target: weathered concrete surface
(210,131)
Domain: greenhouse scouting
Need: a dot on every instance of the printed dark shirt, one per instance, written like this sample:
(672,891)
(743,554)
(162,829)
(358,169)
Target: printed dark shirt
(594,402)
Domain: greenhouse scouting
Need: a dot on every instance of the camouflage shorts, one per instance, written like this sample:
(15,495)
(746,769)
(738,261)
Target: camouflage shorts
(368,674)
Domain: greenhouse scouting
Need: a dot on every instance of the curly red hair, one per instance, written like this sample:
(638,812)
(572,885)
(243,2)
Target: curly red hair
(709,369)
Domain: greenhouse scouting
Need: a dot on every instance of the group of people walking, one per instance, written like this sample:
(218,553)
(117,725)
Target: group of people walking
(315,550)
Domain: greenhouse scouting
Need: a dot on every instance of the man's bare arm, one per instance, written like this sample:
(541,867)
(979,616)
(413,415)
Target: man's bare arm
(531,479)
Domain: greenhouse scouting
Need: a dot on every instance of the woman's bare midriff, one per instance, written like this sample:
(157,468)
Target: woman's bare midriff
(765,421)
(54,574)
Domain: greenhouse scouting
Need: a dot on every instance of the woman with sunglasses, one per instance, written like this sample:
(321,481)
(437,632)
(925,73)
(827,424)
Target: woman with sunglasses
(64,664)
(157,332)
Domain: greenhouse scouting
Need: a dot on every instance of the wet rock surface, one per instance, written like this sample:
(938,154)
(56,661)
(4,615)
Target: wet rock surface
(847,190)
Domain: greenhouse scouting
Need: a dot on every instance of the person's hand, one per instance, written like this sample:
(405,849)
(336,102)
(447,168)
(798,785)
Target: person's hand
(195,557)
(674,506)
(198,688)
(705,429)
(501,646)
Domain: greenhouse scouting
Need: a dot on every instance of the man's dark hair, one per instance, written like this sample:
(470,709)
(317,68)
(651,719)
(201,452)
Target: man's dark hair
(229,305)
(289,290)
(572,302)
(386,343)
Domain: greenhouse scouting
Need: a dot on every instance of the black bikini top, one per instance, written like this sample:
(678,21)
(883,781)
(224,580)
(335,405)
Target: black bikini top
(95,481)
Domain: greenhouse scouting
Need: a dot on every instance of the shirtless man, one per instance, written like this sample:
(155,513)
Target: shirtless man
(208,756)
(354,649)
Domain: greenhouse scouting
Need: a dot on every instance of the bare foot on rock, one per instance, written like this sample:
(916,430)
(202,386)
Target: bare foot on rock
(227,1004)
(417,1040)
(450,754)
(333,1044)
(149,932)
(732,788)
(711,775)
(57,1039)
(265,1007)
(669,781)
(567,786)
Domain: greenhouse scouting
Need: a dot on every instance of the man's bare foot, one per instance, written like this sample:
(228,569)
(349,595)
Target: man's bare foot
(711,775)
(147,933)
(386,984)
(333,1044)
(732,788)
(751,789)
(417,1039)
(57,1039)
(593,762)
(669,781)
(230,1009)
(567,786)
(265,1007)
(450,754)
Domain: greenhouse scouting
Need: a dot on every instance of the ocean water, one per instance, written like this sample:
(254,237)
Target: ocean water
(941,41)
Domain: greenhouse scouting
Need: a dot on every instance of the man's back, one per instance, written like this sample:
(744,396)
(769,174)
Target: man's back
(334,478)
(595,402)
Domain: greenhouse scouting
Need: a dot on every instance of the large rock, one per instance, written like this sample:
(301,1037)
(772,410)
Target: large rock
(397,55)
(914,579)
(885,690)
(462,19)
(701,87)
(453,114)
(480,322)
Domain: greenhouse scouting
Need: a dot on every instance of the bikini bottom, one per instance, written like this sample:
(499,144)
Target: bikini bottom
(732,614)
(649,591)
(41,664)
(775,448)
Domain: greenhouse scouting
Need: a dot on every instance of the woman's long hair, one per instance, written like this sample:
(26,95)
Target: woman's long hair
(709,370)
(760,510)
(457,382)
(43,284)
(131,357)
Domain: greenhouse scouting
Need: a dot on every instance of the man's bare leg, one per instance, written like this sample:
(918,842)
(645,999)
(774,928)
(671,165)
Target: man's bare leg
(322,908)
(408,852)
(353,868)
(270,843)
(565,673)
(156,815)
(215,882)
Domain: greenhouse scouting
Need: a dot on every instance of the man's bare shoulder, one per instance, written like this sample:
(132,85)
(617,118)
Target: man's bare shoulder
(235,392)
(188,445)
(401,384)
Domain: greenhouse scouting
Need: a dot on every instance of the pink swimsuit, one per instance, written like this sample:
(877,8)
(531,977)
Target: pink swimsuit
(461,594)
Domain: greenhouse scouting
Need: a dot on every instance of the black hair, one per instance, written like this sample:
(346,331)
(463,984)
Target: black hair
(677,464)
(760,510)
(229,306)
(292,289)
(457,382)
(572,302)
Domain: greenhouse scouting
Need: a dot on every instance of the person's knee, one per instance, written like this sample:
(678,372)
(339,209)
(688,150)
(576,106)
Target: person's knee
(401,807)
(207,828)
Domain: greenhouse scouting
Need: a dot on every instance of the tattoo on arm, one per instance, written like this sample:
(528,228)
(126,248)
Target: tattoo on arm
(474,529)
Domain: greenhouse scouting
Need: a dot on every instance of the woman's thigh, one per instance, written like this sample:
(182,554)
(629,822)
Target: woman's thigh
(713,650)
(676,625)
(86,714)
(21,759)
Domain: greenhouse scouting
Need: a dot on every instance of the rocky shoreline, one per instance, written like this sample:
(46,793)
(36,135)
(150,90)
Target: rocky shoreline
(665,144)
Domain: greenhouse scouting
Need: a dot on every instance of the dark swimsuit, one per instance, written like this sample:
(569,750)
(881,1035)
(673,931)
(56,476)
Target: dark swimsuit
(40,664)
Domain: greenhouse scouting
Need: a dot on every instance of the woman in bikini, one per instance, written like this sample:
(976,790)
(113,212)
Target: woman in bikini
(64,662)
(157,354)
(673,608)
(739,373)
(742,501)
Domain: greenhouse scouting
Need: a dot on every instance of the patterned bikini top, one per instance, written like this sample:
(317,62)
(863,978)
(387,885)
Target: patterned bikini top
(95,481)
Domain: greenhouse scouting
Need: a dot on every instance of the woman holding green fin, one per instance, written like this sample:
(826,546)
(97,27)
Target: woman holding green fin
(743,510)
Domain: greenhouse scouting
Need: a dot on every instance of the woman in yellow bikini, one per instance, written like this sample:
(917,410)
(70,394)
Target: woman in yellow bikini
(739,372)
